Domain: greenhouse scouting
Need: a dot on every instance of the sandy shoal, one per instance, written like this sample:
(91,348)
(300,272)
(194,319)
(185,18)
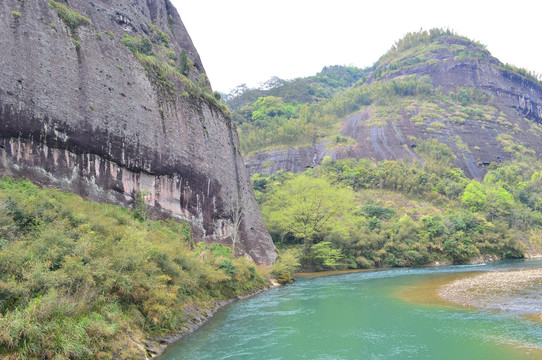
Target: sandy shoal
(488,288)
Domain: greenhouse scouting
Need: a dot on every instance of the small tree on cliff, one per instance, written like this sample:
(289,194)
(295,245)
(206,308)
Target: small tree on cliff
(141,209)
(183,63)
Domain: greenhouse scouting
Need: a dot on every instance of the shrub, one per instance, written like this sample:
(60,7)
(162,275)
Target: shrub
(72,18)
(136,44)
(286,264)
(109,34)
(159,36)
(184,63)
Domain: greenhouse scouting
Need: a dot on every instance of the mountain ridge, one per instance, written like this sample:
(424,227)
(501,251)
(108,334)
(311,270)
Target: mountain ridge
(432,84)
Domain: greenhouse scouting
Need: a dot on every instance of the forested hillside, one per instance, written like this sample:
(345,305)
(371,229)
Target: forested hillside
(282,113)
(361,214)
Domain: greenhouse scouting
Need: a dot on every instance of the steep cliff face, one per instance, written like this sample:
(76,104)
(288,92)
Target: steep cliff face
(483,110)
(98,97)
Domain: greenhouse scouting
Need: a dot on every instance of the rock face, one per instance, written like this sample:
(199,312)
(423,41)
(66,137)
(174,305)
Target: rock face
(451,63)
(80,111)
(295,160)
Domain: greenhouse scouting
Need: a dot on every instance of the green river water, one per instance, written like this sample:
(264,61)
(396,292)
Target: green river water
(360,316)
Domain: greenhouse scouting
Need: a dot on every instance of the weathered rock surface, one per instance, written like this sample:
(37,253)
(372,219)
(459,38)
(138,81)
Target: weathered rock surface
(294,160)
(79,112)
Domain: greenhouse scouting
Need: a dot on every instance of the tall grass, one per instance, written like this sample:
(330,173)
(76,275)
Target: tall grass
(81,280)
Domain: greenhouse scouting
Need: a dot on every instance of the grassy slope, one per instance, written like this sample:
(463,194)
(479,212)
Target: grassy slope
(87,280)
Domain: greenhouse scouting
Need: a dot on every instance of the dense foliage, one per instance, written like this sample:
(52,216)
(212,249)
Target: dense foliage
(82,280)
(347,214)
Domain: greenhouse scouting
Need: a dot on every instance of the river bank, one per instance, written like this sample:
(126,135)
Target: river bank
(427,292)
(197,316)
(511,291)
(355,315)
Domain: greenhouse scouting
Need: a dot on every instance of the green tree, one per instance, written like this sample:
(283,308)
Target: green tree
(499,201)
(460,248)
(327,256)
(308,209)
(474,196)
(286,264)
(269,107)
(494,200)
(183,64)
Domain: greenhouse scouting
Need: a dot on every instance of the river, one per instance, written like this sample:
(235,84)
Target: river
(361,316)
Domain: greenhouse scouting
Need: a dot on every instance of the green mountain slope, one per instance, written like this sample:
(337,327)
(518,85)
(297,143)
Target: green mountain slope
(360,214)
(430,85)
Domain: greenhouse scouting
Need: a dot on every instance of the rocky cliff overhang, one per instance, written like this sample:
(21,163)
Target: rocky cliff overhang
(79,111)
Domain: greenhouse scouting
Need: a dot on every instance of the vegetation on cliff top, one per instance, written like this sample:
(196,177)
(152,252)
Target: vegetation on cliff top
(83,280)
(170,72)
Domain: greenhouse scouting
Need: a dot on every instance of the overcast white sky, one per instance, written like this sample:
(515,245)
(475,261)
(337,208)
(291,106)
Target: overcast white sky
(249,41)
